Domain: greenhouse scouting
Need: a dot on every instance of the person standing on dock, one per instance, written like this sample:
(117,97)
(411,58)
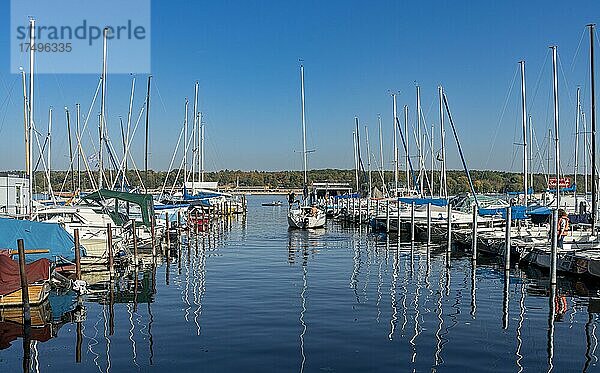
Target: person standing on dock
(563,227)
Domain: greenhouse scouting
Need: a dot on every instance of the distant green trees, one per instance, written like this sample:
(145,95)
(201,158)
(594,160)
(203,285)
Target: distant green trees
(483,181)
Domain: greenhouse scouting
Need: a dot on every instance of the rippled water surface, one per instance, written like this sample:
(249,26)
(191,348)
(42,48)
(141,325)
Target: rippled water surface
(253,296)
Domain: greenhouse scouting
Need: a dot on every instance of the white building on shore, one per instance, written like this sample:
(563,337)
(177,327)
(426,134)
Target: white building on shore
(14,194)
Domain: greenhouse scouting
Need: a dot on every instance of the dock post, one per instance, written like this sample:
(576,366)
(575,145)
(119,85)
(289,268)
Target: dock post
(474,243)
(368,217)
(507,240)
(24,284)
(360,211)
(167,230)
(412,222)
(135,248)
(387,217)
(153,234)
(449,236)
(178,223)
(77,255)
(109,240)
(554,249)
(377,208)
(428,224)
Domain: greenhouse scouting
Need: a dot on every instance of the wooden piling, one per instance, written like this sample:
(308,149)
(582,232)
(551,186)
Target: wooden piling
(168,238)
(178,223)
(429,224)
(109,242)
(474,243)
(153,232)
(412,222)
(507,239)
(554,247)
(387,217)
(135,245)
(24,284)
(449,228)
(77,255)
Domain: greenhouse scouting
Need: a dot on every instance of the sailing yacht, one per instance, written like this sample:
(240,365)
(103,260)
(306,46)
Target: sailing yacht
(305,214)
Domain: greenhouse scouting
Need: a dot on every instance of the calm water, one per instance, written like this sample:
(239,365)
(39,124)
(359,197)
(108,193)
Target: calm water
(257,297)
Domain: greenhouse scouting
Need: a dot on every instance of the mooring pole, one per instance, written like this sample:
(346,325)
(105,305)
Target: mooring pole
(554,249)
(474,243)
(111,268)
(135,246)
(167,230)
(77,254)
(449,236)
(412,222)
(428,224)
(387,218)
(507,239)
(24,284)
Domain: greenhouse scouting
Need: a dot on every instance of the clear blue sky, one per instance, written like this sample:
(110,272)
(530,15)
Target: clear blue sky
(245,56)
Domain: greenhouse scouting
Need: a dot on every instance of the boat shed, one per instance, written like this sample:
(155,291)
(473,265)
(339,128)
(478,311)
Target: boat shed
(14,194)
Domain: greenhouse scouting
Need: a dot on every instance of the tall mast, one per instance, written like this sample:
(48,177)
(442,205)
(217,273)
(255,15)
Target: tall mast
(407,171)
(303,127)
(50,149)
(31,106)
(78,136)
(585,154)
(357,153)
(432,163)
(355,160)
(196,134)
(394,108)
(381,152)
(593,119)
(530,152)
(524,118)
(576,168)
(419,140)
(25,121)
(443,182)
(147,133)
(368,160)
(70,149)
(201,146)
(556,126)
(102,110)
(185,141)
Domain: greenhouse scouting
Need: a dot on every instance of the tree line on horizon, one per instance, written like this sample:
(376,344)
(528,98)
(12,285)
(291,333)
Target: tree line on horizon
(457,181)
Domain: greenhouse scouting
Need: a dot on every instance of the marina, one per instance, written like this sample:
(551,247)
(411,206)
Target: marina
(337,299)
(234,206)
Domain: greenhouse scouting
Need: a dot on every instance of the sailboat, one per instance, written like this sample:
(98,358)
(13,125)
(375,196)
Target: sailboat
(305,214)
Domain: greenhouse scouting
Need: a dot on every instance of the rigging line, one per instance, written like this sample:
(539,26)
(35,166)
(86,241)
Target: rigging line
(128,146)
(583,32)
(8,101)
(172,161)
(537,84)
(566,81)
(460,149)
(512,84)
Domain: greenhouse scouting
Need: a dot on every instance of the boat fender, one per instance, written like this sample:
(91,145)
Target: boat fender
(80,287)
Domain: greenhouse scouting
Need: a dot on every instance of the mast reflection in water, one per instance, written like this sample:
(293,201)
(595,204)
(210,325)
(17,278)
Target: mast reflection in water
(249,295)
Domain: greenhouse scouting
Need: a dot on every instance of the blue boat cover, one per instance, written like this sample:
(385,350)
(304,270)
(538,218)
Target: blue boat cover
(516,212)
(36,235)
(529,192)
(423,201)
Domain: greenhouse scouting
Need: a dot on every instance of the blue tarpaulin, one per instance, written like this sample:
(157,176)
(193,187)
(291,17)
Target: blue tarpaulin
(37,236)
(516,212)
(348,196)
(423,201)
